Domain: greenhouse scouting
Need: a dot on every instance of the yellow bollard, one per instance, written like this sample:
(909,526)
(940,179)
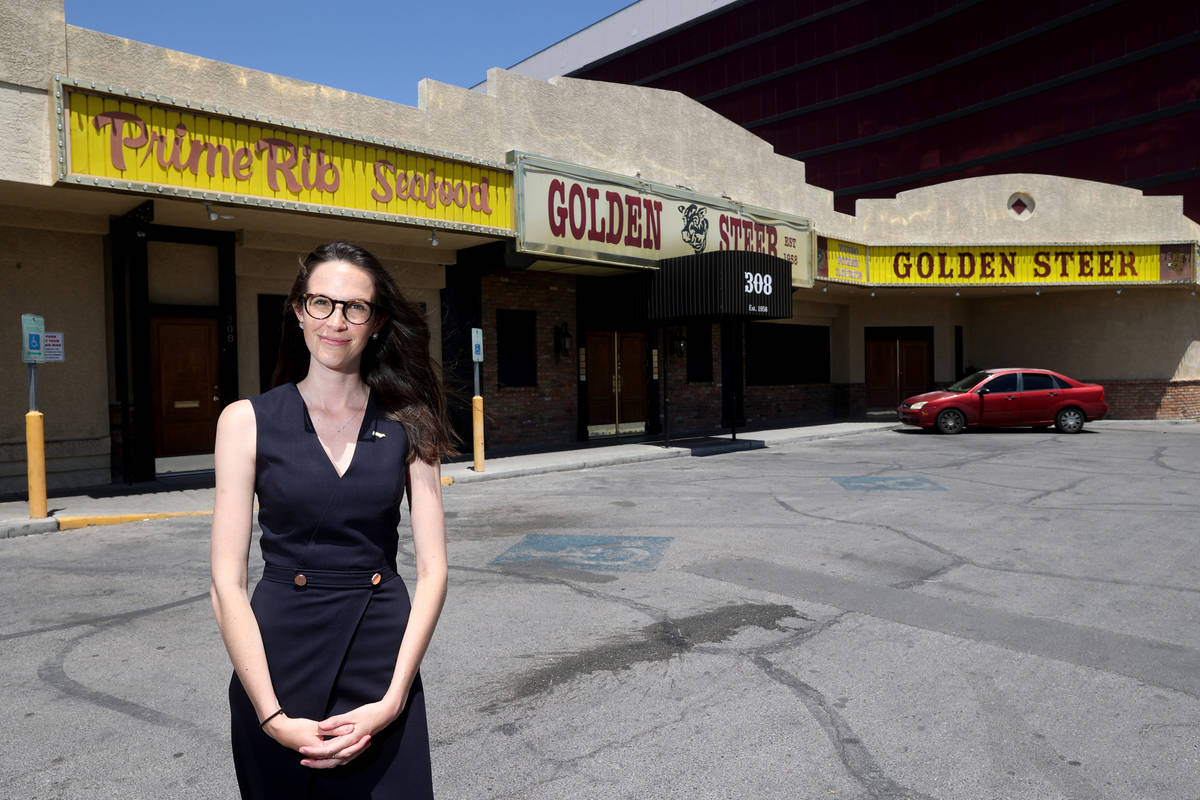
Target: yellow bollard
(35,455)
(477,430)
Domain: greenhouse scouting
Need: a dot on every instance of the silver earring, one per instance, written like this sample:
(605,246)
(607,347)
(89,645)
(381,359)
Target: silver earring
(375,335)
(301,324)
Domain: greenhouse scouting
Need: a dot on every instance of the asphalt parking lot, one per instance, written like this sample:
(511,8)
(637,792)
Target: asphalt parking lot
(1001,614)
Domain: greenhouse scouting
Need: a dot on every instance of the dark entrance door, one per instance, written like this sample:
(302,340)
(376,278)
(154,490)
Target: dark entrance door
(187,400)
(616,383)
(899,364)
(141,386)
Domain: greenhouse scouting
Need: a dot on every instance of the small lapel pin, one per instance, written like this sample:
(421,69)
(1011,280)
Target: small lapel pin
(378,435)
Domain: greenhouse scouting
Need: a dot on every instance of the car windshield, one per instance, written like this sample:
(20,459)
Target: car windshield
(968,383)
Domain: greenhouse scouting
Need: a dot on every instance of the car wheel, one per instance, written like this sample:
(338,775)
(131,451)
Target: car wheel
(951,421)
(1069,420)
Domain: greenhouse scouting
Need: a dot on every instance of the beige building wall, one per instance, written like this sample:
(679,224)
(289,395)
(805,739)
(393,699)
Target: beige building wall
(59,273)
(1101,335)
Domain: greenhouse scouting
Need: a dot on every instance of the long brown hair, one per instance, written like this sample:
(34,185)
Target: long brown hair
(397,365)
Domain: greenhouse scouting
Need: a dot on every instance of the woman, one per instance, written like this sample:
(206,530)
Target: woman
(325,699)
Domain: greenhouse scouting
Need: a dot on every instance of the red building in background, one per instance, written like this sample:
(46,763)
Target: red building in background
(881,96)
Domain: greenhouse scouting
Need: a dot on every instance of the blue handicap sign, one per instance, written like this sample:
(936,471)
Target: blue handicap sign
(590,552)
(898,483)
(35,341)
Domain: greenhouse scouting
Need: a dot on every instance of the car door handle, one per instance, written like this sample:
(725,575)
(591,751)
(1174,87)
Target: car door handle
(1054,394)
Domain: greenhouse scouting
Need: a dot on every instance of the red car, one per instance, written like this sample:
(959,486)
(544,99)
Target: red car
(1006,398)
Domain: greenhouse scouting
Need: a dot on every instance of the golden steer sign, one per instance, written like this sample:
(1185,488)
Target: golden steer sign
(1039,264)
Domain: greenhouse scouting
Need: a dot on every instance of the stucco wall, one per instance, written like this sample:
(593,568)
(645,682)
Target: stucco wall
(939,312)
(60,275)
(1064,210)
(1138,334)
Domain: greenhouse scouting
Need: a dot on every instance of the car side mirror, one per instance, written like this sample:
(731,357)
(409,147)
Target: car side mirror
(982,391)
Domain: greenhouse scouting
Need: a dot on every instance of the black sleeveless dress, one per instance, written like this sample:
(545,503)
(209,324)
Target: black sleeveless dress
(331,608)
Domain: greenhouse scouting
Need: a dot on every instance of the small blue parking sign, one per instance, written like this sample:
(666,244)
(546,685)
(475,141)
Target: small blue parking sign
(477,344)
(33,331)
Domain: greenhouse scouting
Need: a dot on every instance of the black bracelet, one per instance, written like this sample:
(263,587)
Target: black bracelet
(263,724)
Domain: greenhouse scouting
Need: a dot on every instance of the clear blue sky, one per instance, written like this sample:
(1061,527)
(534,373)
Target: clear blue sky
(380,48)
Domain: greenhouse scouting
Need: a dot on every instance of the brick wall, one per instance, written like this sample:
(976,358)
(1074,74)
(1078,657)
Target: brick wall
(779,405)
(545,414)
(1152,399)
(695,407)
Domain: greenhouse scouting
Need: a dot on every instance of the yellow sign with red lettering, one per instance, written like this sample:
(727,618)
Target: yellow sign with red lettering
(145,146)
(928,265)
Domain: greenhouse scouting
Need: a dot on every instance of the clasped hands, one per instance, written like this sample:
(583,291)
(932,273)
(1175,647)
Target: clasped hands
(334,741)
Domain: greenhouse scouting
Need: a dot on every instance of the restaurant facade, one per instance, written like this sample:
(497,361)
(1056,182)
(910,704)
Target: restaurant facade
(638,264)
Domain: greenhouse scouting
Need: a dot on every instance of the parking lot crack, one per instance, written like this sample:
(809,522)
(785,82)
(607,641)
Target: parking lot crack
(857,760)
(53,673)
(957,560)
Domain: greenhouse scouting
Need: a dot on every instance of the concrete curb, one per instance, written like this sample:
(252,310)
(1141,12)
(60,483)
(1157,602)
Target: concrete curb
(461,473)
(10,528)
(24,527)
(88,520)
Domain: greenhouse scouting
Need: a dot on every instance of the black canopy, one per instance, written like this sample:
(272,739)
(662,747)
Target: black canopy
(725,284)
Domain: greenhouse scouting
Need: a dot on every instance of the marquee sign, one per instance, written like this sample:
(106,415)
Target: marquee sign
(927,265)
(1004,265)
(840,261)
(574,212)
(137,142)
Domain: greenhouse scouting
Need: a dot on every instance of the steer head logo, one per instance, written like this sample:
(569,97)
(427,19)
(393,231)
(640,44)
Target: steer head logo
(695,227)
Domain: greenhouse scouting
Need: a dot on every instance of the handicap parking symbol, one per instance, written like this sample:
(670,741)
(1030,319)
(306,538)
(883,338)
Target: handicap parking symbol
(590,552)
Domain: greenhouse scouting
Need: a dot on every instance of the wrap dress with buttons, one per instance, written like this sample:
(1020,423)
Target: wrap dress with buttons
(330,606)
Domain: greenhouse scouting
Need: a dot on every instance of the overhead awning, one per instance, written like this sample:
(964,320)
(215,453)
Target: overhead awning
(725,284)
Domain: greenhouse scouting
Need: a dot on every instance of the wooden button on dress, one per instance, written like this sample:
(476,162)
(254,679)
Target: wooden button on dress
(375,579)
(300,580)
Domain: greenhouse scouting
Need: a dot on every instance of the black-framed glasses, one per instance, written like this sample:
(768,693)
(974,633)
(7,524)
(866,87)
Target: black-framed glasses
(356,312)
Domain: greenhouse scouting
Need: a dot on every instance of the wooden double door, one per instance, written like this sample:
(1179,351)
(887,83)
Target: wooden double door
(616,379)
(186,385)
(899,365)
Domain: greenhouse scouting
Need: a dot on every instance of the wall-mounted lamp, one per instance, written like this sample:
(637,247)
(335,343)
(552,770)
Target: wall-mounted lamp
(956,292)
(213,216)
(1118,291)
(824,288)
(872,294)
(433,240)
(1038,293)
(563,341)
(678,343)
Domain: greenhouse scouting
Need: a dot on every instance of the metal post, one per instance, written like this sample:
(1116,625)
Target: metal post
(666,351)
(35,451)
(477,422)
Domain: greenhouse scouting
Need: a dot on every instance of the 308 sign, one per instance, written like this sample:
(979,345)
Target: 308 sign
(757,283)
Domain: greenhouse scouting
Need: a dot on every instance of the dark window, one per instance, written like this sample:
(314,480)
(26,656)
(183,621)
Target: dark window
(1002,383)
(270,320)
(779,355)
(1036,382)
(516,347)
(699,352)
(1059,383)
